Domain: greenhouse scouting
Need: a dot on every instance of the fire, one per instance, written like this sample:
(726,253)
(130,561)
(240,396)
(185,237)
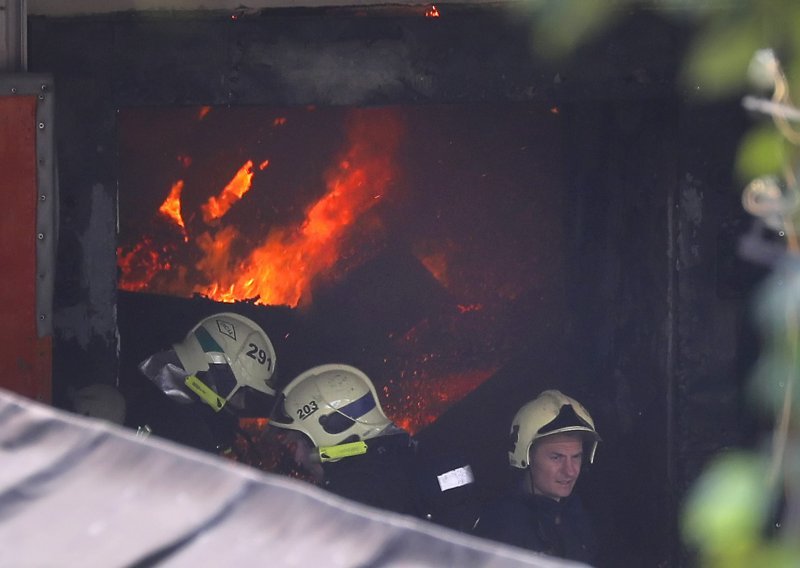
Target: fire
(432,12)
(141,264)
(171,208)
(279,269)
(216,207)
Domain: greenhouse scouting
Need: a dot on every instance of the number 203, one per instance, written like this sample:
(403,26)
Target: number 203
(307,410)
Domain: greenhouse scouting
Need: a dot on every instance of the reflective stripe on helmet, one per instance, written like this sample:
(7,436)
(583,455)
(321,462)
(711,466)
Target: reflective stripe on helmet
(344,417)
(208,343)
(205,393)
(566,420)
(333,453)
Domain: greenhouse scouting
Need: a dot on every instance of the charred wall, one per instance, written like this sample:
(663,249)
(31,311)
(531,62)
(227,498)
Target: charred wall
(656,341)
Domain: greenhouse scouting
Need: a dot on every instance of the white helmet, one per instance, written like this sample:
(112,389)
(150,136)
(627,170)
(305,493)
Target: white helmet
(99,401)
(331,404)
(229,351)
(552,412)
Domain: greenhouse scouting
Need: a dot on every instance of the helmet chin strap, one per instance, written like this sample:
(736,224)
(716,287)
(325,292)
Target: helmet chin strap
(527,482)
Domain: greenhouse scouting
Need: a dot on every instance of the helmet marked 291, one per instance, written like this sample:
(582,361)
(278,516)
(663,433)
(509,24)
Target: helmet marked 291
(228,351)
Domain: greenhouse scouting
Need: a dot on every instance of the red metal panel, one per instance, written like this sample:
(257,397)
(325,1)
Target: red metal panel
(25,358)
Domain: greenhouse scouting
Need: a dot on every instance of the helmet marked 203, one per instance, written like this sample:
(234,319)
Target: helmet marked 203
(552,412)
(331,404)
(228,351)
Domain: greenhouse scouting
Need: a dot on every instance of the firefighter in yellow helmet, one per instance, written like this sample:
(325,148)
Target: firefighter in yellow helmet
(332,418)
(551,438)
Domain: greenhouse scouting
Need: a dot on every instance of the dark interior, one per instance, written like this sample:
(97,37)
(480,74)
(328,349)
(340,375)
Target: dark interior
(584,210)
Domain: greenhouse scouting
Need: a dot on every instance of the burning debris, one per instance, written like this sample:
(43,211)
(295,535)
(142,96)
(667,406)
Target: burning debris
(422,272)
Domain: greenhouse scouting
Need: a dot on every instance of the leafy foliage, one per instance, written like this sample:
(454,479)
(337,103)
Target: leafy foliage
(744,510)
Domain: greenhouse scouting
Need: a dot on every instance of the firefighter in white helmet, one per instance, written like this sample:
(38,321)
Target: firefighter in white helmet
(551,438)
(333,419)
(222,369)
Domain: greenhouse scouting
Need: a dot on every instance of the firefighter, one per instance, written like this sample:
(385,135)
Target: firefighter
(224,368)
(341,436)
(550,438)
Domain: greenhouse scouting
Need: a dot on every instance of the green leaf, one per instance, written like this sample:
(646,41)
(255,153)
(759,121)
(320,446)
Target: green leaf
(761,152)
(563,25)
(716,65)
(727,506)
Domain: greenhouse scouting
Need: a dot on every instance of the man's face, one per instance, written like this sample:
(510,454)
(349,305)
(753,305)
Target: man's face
(556,464)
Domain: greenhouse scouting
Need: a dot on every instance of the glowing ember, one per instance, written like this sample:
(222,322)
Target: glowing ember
(416,401)
(437,266)
(203,112)
(216,207)
(432,12)
(143,263)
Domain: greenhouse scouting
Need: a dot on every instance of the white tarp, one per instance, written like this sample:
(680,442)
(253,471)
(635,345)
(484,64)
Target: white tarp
(85,493)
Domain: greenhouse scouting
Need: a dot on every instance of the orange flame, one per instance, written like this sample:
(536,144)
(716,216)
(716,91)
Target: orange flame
(280,270)
(432,12)
(171,208)
(216,207)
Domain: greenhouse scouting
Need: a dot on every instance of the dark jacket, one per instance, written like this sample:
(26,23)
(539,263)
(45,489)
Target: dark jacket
(383,477)
(396,475)
(557,528)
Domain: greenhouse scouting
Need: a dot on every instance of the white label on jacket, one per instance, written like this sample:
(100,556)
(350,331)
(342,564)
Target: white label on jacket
(455,478)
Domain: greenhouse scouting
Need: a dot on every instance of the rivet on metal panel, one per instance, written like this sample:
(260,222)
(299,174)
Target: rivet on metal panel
(41,126)
(43,87)
(43,197)
(13,90)
(41,97)
(42,317)
(40,236)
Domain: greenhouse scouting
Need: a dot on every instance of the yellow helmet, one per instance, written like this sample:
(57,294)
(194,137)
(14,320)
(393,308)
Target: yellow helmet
(552,412)
(331,404)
